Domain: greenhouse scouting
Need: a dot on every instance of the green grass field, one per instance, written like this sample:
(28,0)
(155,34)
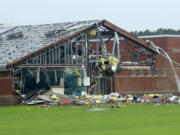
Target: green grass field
(134,119)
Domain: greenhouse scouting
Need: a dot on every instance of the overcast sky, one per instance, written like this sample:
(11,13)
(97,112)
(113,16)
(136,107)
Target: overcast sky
(127,14)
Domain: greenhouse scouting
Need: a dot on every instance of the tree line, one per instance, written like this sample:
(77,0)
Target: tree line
(159,31)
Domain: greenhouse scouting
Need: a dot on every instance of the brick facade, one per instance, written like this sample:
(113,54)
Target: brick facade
(6,83)
(161,78)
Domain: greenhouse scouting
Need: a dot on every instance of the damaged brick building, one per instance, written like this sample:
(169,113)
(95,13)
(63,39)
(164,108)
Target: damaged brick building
(93,56)
(159,79)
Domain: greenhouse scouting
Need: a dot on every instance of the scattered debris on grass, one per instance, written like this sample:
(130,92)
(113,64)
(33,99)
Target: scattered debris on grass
(51,98)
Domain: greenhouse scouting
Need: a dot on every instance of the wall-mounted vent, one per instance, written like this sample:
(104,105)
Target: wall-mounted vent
(15,35)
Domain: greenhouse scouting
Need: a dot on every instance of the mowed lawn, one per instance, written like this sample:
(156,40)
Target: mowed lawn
(133,119)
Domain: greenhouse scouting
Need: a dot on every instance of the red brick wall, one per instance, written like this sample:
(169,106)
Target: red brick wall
(144,84)
(125,82)
(6,84)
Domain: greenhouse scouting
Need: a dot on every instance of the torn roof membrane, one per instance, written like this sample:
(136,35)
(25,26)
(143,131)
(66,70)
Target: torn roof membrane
(17,42)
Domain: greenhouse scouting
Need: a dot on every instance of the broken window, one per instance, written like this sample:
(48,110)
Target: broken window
(141,72)
(149,72)
(156,73)
(135,57)
(133,72)
(164,72)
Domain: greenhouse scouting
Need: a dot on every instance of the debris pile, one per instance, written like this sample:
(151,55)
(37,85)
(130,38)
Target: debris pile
(51,98)
(66,101)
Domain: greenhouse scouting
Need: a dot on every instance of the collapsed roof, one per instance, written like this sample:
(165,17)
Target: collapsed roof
(22,41)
